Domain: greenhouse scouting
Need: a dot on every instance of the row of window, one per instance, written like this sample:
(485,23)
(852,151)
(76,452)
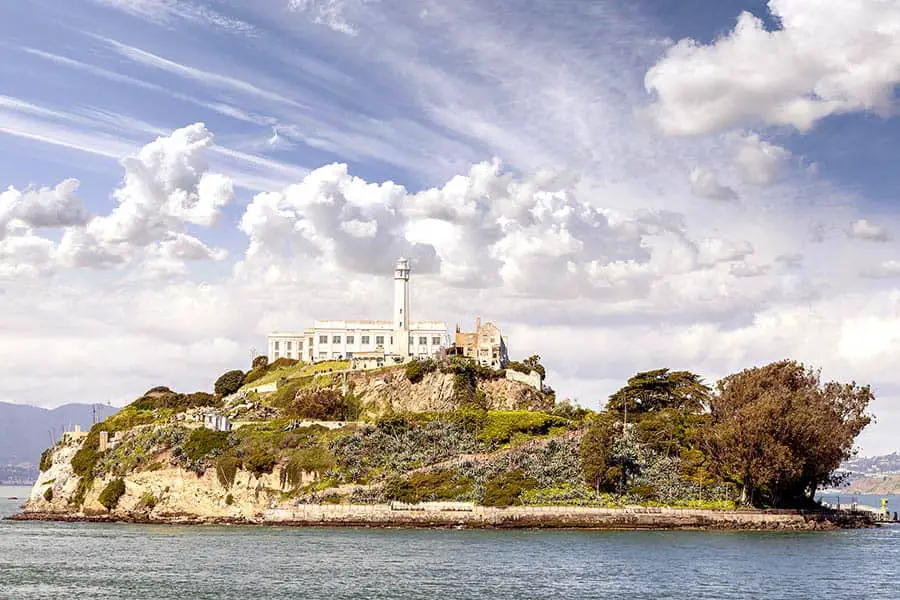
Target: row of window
(379,340)
(287,345)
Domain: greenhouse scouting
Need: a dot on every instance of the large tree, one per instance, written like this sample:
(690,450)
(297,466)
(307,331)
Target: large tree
(661,389)
(780,433)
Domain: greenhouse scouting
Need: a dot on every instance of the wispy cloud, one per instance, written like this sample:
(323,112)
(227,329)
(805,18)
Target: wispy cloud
(166,11)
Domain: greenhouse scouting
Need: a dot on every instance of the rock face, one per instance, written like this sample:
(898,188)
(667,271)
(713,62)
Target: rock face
(161,494)
(390,391)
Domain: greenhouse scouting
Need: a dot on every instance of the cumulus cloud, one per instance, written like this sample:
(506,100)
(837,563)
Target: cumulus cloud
(887,268)
(42,208)
(705,183)
(482,229)
(166,188)
(864,229)
(758,161)
(825,58)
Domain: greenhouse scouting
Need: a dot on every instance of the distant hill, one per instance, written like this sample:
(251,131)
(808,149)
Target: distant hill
(872,474)
(874,465)
(25,431)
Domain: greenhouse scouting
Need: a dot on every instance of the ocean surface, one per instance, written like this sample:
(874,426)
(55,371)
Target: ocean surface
(123,562)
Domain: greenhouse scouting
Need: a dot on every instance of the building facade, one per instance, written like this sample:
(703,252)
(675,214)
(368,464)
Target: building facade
(392,341)
(486,345)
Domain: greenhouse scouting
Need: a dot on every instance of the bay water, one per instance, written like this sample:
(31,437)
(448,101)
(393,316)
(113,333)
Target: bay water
(117,561)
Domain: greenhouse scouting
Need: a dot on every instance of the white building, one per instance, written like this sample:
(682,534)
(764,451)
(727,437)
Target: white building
(377,342)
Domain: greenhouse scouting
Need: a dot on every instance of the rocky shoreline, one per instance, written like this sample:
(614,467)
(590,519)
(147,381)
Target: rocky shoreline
(478,517)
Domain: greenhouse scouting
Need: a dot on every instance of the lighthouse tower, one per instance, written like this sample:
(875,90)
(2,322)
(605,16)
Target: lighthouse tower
(401,308)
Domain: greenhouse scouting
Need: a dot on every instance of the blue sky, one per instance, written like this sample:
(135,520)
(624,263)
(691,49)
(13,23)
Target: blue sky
(670,179)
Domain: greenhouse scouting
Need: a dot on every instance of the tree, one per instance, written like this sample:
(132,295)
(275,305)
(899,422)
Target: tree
(661,389)
(780,433)
(606,455)
(260,362)
(534,362)
(229,383)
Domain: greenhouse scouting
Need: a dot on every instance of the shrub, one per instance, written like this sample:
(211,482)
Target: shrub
(229,500)
(505,489)
(281,363)
(417,369)
(46,459)
(260,460)
(203,442)
(260,362)
(324,405)
(229,383)
(111,494)
(167,400)
(501,426)
(315,459)
(226,469)
(149,501)
(48,494)
(430,486)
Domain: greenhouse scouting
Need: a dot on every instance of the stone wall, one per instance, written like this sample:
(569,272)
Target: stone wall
(533,379)
(533,516)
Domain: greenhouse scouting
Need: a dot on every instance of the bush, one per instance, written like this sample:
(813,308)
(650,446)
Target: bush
(260,362)
(501,426)
(149,501)
(203,442)
(46,459)
(505,489)
(111,494)
(168,400)
(323,405)
(229,383)
(281,363)
(430,486)
(229,500)
(48,494)
(226,469)
(417,369)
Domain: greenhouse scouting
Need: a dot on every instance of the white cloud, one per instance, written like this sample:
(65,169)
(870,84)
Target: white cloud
(863,229)
(758,161)
(825,58)
(705,183)
(44,207)
(330,13)
(887,268)
(163,11)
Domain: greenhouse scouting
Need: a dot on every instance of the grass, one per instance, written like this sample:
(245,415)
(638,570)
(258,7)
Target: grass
(300,370)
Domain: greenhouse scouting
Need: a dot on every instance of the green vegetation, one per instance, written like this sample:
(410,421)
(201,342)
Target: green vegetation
(226,469)
(417,369)
(430,486)
(148,501)
(229,382)
(164,399)
(532,363)
(46,460)
(500,427)
(205,443)
(111,494)
(229,500)
(505,489)
(48,494)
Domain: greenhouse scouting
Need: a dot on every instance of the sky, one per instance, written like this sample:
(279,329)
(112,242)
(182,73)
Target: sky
(708,185)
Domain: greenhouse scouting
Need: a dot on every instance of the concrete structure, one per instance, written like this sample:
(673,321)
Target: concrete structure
(376,343)
(216,422)
(486,345)
(533,379)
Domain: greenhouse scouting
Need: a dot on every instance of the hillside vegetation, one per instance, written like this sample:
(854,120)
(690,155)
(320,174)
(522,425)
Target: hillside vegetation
(764,437)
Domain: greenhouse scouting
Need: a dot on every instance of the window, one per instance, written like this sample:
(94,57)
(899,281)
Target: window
(276,356)
(350,339)
(288,354)
(336,339)
(435,341)
(423,341)
(379,339)
(392,340)
(299,345)
(323,355)
(323,339)
(365,340)
(288,346)
(276,345)
(410,340)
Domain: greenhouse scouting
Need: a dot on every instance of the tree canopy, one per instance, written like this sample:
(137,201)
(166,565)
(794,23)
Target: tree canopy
(780,433)
(661,389)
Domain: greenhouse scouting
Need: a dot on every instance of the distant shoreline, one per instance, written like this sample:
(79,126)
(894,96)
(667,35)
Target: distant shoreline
(479,517)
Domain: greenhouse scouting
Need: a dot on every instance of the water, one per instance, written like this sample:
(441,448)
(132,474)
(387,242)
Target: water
(63,560)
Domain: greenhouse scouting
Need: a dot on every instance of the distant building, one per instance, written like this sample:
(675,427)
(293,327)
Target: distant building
(486,345)
(216,422)
(373,342)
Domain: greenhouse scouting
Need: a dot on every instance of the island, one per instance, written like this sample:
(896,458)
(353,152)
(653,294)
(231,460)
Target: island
(449,442)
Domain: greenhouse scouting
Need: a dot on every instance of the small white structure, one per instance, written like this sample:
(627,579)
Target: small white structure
(216,422)
(394,342)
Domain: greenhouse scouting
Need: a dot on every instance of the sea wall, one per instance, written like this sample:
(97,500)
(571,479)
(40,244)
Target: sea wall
(467,516)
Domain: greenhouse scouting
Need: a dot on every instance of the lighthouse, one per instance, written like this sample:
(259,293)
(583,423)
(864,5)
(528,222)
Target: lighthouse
(402,323)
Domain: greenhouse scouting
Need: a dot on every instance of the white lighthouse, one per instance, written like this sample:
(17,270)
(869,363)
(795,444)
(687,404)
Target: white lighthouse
(402,323)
